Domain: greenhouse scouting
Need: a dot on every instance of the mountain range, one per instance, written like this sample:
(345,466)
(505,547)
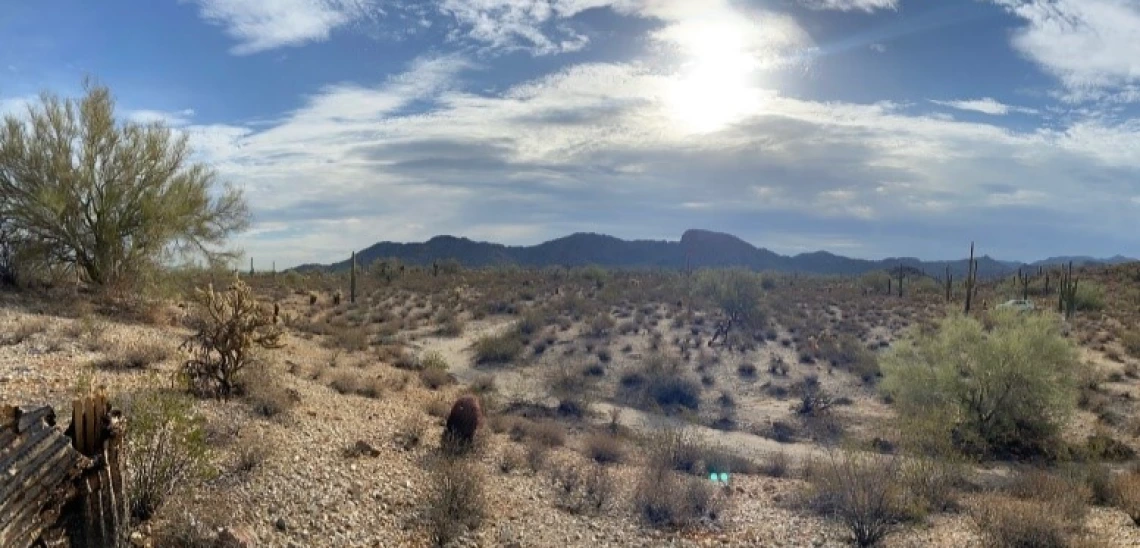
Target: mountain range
(695,249)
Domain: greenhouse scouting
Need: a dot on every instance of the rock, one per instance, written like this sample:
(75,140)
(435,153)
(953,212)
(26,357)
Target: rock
(137,539)
(235,537)
(364,448)
(280,524)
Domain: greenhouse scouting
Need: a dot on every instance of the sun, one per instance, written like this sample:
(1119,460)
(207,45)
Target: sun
(714,87)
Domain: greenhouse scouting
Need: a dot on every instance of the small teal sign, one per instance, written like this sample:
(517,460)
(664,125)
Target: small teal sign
(718,477)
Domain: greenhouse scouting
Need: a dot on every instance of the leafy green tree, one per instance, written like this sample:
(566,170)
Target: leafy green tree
(738,293)
(1002,393)
(113,198)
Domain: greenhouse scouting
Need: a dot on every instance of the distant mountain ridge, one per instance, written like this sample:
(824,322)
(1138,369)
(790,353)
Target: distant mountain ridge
(696,249)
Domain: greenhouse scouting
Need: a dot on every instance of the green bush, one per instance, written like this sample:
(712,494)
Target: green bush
(1002,393)
(166,449)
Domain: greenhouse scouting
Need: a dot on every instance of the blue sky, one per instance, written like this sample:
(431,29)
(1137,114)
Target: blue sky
(870,128)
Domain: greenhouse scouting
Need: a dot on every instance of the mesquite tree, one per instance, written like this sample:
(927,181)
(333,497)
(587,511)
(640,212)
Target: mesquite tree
(110,197)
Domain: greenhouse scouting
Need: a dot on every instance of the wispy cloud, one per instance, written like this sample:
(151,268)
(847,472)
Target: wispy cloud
(851,5)
(985,105)
(538,26)
(173,119)
(260,25)
(352,166)
(1092,46)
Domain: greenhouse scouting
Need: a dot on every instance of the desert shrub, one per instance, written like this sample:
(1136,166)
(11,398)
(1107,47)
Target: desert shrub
(861,492)
(351,339)
(1012,523)
(253,451)
(455,502)
(548,433)
(231,325)
(605,448)
(268,397)
(433,360)
(434,377)
(661,381)
(665,499)
(497,349)
(600,325)
(776,465)
(813,399)
(1066,497)
(1002,393)
(585,492)
(410,434)
(1090,296)
(1130,340)
(137,354)
(1125,495)
(25,330)
(1102,446)
(347,381)
(166,449)
(747,370)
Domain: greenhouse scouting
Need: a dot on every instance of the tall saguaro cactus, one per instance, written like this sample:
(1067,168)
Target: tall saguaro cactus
(1067,293)
(1023,279)
(971,282)
(901,276)
(352,280)
(949,282)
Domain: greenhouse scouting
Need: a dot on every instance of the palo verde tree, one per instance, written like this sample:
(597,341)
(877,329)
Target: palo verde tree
(738,293)
(1000,392)
(113,198)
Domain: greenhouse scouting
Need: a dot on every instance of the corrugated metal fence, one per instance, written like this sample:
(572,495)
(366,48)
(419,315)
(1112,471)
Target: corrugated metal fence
(62,488)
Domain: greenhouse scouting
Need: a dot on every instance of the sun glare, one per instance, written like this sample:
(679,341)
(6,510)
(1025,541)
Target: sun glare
(713,88)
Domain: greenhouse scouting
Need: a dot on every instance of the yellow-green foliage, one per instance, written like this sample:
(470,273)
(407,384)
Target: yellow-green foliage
(999,393)
(737,292)
(111,197)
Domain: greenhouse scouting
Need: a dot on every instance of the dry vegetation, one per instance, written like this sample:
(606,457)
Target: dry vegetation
(609,399)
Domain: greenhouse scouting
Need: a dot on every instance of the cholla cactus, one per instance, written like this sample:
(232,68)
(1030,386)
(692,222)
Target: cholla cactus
(231,325)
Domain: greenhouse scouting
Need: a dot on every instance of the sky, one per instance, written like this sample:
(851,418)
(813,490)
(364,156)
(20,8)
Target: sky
(868,128)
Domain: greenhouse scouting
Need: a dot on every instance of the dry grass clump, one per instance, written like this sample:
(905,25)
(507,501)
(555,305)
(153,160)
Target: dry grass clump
(136,354)
(269,398)
(589,491)
(24,330)
(455,502)
(666,499)
(253,451)
(605,448)
(498,349)
(860,492)
(355,382)
(1013,523)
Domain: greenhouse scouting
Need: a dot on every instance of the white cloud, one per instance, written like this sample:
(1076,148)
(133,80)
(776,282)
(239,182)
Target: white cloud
(534,25)
(851,5)
(173,119)
(878,48)
(1092,46)
(593,147)
(261,25)
(985,105)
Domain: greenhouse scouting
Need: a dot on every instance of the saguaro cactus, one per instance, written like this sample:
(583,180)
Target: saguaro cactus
(352,280)
(971,282)
(1067,293)
(949,282)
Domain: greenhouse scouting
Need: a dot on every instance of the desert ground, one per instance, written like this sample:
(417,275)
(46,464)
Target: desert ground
(608,397)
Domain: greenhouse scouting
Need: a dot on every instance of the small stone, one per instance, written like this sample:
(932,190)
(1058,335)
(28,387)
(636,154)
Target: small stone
(281,525)
(364,448)
(137,539)
(235,537)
